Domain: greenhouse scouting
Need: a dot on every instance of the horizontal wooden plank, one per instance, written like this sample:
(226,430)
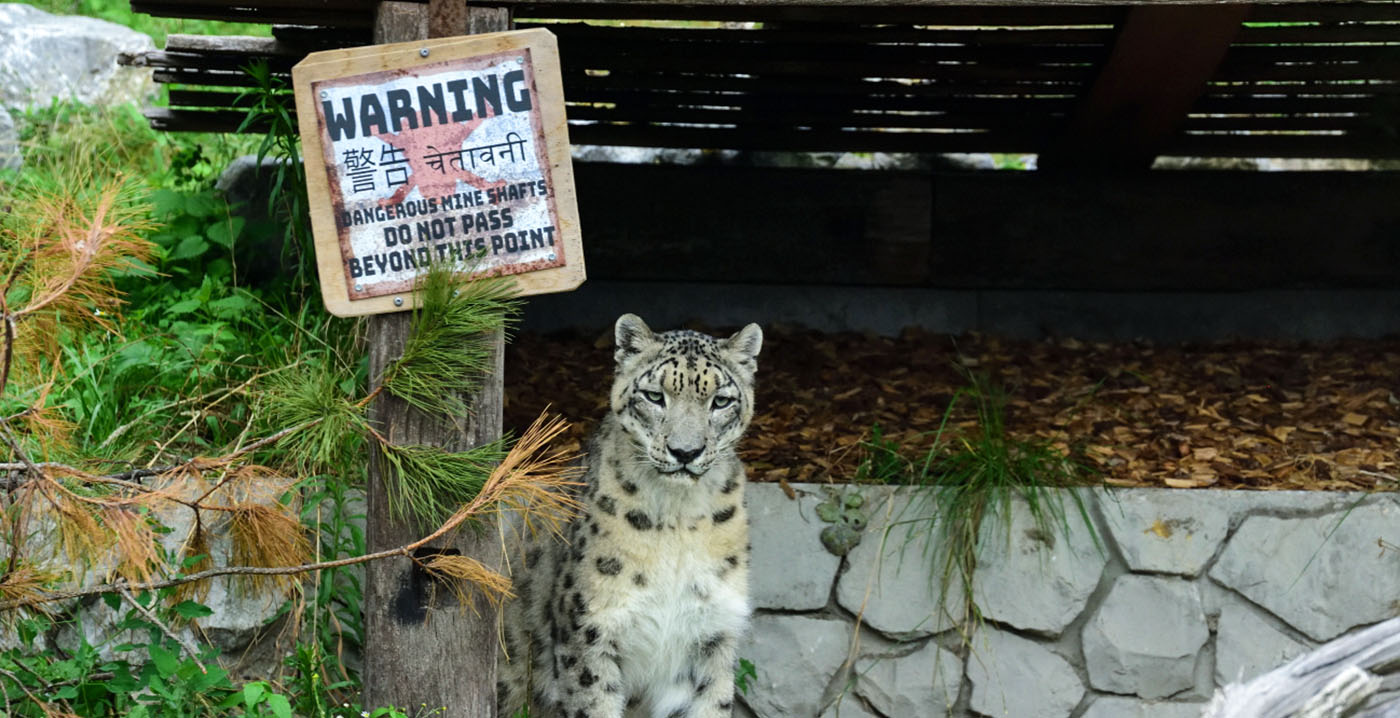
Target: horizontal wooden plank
(232,44)
(1331,33)
(213,99)
(1356,145)
(260,14)
(226,62)
(828,33)
(777,66)
(1326,12)
(947,15)
(638,101)
(811,141)
(799,102)
(200,121)
(1315,53)
(1340,123)
(323,38)
(836,60)
(1275,105)
(1232,70)
(581,80)
(1293,88)
(830,119)
(213,78)
(1263,145)
(359,13)
(309,5)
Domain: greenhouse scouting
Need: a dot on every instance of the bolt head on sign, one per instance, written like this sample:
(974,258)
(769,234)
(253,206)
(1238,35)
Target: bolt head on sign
(437,151)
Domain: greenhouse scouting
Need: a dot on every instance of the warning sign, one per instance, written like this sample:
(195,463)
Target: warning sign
(443,151)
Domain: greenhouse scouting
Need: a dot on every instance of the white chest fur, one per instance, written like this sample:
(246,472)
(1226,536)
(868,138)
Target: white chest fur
(683,604)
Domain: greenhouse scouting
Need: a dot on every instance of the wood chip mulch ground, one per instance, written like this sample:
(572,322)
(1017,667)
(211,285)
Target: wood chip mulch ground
(1248,415)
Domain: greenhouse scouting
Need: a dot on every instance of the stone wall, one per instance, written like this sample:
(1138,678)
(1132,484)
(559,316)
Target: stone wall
(1172,594)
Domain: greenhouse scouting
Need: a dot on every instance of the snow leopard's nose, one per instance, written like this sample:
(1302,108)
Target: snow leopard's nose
(685,456)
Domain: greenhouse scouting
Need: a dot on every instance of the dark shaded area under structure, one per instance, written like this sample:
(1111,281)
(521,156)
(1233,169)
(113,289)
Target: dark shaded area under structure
(1099,86)
(1092,244)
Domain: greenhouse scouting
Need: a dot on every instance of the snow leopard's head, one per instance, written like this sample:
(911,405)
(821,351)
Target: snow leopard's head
(684,397)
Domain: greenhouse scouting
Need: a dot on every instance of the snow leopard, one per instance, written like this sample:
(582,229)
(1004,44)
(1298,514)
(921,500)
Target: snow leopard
(637,609)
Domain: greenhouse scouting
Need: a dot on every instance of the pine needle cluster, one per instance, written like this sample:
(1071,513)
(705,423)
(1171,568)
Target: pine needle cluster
(426,484)
(450,345)
(311,395)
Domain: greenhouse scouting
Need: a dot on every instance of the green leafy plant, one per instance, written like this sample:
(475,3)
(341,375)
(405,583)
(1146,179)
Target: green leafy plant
(158,673)
(743,673)
(270,113)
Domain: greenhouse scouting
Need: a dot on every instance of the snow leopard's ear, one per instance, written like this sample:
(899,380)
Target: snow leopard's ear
(741,349)
(633,336)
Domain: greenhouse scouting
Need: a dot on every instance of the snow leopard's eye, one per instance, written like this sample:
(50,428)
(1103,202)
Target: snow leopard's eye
(655,397)
(721,402)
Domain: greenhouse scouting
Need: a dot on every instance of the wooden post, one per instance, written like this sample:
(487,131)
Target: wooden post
(422,652)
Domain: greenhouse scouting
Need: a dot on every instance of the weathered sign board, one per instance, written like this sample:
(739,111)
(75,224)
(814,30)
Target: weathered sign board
(452,150)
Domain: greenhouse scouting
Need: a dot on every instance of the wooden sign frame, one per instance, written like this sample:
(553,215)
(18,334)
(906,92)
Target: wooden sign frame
(551,259)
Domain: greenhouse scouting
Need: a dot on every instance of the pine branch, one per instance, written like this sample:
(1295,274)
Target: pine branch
(533,479)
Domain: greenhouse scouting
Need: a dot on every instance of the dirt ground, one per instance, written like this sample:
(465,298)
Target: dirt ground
(1248,415)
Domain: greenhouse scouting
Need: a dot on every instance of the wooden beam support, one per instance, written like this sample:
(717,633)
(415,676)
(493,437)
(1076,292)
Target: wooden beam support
(421,647)
(1161,61)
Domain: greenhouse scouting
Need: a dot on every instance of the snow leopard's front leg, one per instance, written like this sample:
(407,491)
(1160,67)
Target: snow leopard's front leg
(590,679)
(706,688)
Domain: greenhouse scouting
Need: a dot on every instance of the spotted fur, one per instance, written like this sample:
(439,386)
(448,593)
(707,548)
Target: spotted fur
(638,610)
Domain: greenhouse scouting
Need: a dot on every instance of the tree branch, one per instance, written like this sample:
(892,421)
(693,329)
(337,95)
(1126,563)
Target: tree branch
(194,655)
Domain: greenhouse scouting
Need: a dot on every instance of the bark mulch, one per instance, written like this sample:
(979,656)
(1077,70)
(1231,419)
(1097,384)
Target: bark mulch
(1244,415)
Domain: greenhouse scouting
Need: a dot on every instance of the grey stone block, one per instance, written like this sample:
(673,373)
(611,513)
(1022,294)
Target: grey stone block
(1032,578)
(849,706)
(1241,504)
(923,683)
(1322,575)
(1165,530)
(1013,677)
(45,56)
(10,156)
(788,569)
(795,658)
(1119,707)
(1246,645)
(1144,638)
(890,580)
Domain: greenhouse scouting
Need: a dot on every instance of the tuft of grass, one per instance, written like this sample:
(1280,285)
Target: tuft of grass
(963,481)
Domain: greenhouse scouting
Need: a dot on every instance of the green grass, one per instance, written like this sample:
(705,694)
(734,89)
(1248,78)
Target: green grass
(968,479)
(185,367)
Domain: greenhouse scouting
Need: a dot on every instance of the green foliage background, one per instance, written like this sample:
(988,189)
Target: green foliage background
(186,370)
